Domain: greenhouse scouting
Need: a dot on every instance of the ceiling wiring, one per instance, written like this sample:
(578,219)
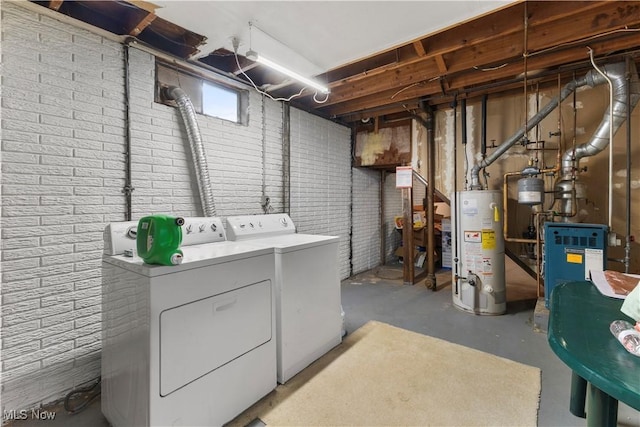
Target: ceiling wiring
(405,88)
(558,46)
(497,67)
(320,101)
(577,42)
(260,91)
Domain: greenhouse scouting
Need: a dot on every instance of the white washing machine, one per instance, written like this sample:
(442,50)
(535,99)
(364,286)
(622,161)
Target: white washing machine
(191,344)
(307,288)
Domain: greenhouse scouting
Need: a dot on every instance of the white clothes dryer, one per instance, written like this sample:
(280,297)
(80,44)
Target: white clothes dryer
(307,288)
(191,344)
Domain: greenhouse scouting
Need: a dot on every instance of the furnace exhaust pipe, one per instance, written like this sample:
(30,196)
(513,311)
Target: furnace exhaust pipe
(598,142)
(624,96)
(600,139)
(198,155)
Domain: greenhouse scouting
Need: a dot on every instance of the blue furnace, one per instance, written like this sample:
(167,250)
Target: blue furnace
(570,250)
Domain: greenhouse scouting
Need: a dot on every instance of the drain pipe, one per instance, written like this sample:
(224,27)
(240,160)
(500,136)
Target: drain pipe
(198,155)
(483,135)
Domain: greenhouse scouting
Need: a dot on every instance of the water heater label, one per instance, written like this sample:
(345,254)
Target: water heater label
(470,207)
(488,239)
(473,236)
(530,197)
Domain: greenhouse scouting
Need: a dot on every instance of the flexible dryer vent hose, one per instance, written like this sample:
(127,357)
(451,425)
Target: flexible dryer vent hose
(198,154)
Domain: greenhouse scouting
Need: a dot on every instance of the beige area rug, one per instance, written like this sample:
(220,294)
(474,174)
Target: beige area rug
(382,375)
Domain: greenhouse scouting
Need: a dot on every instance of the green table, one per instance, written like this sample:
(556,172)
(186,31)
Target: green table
(603,371)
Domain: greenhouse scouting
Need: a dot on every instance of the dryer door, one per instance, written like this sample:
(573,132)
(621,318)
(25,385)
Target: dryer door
(199,337)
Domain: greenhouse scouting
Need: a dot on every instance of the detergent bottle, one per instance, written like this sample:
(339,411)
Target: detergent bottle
(158,239)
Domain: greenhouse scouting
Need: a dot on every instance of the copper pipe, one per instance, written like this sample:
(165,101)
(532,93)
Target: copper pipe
(538,254)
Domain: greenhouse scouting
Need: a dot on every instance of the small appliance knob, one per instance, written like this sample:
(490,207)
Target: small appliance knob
(132,232)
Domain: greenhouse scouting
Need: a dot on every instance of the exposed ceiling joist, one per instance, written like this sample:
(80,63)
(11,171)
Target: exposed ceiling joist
(55,4)
(485,54)
(144,23)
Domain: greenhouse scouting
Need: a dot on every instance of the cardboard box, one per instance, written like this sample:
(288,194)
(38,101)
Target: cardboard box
(419,219)
(443,209)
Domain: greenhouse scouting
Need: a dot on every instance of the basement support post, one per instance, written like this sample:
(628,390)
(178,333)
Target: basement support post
(407,237)
(431,177)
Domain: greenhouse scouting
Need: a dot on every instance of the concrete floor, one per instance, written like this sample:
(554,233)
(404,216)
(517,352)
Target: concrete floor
(380,295)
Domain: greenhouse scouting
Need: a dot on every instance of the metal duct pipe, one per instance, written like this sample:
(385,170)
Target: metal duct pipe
(544,112)
(600,139)
(198,155)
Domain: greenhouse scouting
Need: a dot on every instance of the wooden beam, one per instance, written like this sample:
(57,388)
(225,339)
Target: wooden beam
(496,52)
(382,99)
(491,26)
(419,47)
(144,23)
(383,111)
(469,78)
(55,4)
(396,80)
(558,34)
(442,66)
(145,5)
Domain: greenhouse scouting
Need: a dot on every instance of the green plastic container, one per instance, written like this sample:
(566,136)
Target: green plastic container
(159,238)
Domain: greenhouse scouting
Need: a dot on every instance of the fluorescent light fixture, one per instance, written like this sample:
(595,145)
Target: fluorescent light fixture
(262,60)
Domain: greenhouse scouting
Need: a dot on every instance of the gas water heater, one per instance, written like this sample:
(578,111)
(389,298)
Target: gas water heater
(478,284)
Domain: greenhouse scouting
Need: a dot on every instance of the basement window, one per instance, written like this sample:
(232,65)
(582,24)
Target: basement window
(218,101)
(209,97)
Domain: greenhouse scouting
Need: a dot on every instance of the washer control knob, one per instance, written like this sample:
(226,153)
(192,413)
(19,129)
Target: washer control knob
(251,225)
(242,226)
(284,222)
(214,227)
(132,232)
(189,228)
(201,228)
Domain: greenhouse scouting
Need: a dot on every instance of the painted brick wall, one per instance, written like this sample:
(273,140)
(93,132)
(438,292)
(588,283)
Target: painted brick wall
(366,220)
(162,174)
(63,144)
(321,180)
(62,162)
